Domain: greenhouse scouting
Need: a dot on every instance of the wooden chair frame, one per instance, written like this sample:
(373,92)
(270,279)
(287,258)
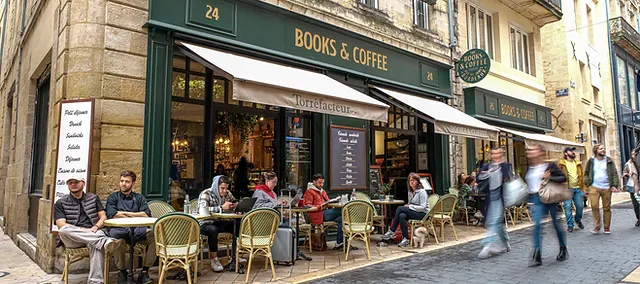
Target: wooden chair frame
(255,249)
(165,233)
(354,228)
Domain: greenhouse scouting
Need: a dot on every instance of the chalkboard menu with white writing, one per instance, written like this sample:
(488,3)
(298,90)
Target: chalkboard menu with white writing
(74,146)
(348,158)
(375,180)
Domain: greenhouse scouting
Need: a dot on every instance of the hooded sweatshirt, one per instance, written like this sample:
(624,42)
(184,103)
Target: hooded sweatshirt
(266,198)
(315,197)
(210,197)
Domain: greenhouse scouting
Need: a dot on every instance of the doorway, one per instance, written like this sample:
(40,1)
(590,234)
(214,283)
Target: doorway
(39,148)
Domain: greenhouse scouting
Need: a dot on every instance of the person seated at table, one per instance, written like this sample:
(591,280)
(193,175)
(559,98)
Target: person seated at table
(126,204)
(80,218)
(315,196)
(266,197)
(218,198)
(416,209)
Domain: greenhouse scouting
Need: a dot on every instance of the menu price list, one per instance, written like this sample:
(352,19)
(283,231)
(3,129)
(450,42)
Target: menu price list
(348,160)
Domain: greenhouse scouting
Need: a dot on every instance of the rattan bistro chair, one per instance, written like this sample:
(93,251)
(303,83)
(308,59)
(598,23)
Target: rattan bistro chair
(139,250)
(160,208)
(444,210)
(257,233)
(427,222)
(72,255)
(357,223)
(177,243)
(378,220)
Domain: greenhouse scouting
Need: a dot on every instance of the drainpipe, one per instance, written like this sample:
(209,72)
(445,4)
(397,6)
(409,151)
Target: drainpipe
(452,43)
(613,63)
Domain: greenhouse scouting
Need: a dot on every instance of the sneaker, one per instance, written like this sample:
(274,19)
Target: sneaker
(570,229)
(486,252)
(388,235)
(495,248)
(595,231)
(113,244)
(242,260)
(637,223)
(607,232)
(122,276)
(144,278)
(580,225)
(404,242)
(216,266)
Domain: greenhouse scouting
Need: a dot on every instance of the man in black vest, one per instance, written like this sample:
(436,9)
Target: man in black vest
(126,204)
(80,218)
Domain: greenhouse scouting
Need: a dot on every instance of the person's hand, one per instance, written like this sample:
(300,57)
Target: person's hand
(284,202)
(546,175)
(94,229)
(227,206)
(406,205)
(614,189)
(625,175)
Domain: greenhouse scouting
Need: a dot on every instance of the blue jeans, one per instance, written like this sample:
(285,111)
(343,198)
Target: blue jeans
(334,214)
(403,214)
(494,221)
(540,210)
(577,199)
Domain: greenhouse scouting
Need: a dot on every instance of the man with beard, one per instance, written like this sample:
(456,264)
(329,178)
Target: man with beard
(601,176)
(572,169)
(126,204)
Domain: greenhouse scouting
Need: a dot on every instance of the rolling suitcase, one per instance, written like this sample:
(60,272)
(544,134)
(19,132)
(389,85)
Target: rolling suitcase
(284,246)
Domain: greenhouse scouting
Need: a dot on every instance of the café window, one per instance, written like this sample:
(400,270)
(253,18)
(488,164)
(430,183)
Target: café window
(421,14)
(623,81)
(480,29)
(370,3)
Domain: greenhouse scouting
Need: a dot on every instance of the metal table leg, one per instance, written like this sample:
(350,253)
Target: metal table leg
(131,245)
(232,265)
(300,254)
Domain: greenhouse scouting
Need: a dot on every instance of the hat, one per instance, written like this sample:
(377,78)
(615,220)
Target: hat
(568,149)
(75,177)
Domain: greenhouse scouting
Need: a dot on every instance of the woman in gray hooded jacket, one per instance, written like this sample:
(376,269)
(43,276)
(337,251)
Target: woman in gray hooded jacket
(416,209)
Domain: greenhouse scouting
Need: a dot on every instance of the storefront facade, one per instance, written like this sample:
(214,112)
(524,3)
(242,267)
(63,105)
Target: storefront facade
(219,117)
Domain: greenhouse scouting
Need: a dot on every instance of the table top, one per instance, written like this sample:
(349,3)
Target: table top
(217,216)
(300,210)
(335,205)
(395,201)
(130,222)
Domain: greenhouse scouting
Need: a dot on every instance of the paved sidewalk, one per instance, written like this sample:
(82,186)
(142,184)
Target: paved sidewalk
(20,267)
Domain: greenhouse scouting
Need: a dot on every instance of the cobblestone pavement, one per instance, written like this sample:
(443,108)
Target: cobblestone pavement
(20,267)
(592,259)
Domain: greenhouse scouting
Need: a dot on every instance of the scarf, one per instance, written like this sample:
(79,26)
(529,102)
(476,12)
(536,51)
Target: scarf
(266,189)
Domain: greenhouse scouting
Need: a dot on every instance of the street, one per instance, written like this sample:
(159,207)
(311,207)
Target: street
(592,259)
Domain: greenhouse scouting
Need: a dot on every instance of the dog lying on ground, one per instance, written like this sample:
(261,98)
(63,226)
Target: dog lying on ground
(419,236)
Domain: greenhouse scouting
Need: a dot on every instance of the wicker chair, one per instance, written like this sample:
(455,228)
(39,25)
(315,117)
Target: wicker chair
(427,222)
(160,208)
(357,223)
(257,233)
(378,220)
(140,250)
(177,243)
(444,210)
(72,255)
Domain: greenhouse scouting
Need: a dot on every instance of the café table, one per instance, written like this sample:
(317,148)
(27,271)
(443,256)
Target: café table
(384,204)
(299,210)
(131,223)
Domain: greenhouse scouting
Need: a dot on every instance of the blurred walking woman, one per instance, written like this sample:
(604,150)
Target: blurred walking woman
(538,172)
(632,186)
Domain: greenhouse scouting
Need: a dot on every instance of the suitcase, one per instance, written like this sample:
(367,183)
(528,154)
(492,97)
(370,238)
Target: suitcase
(284,249)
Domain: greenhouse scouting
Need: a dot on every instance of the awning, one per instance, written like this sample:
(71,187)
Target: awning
(268,83)
(553,144)
(447,120)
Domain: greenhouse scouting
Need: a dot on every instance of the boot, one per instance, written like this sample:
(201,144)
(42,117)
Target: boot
(536,258)
(563,255)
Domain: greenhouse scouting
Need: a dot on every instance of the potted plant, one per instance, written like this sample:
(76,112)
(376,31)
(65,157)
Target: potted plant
(384,190)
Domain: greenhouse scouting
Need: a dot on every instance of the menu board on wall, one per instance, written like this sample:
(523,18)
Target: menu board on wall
(75,130)
(348,158)
(375,179)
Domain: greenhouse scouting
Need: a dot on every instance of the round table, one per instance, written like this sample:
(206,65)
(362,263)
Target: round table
(335,205)
(384,204)
(131,223)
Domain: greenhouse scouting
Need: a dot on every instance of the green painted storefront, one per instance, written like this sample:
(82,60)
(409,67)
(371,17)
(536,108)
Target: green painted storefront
(258,29)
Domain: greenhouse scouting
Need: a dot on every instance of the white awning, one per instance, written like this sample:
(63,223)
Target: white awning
(268,83)
(447,120)
(553,144)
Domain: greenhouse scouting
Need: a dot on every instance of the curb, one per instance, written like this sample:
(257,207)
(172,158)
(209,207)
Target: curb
(323,274)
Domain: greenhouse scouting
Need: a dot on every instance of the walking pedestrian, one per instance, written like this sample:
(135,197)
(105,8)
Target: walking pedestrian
(539,173)
(631,174)
(495,173)
(572,169)
(601,176)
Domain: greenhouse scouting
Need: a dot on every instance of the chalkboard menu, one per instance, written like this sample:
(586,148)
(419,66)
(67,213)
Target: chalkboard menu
(375,179)
(348,158)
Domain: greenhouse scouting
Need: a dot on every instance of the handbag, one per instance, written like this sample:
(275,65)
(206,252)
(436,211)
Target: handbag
(318,241)
(553,192)
(514,192)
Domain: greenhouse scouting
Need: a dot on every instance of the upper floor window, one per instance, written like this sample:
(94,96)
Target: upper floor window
(520,55)
(421,14)
(480,31)
(370,3)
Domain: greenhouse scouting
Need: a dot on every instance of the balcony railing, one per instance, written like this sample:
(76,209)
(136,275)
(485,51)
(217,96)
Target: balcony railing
(625,36)
(541,12)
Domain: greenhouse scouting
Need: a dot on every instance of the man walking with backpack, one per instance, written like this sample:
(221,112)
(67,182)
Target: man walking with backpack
(601,176)
(572,169)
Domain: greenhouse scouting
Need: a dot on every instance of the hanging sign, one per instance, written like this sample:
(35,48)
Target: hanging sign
(75,130)
(473,66)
